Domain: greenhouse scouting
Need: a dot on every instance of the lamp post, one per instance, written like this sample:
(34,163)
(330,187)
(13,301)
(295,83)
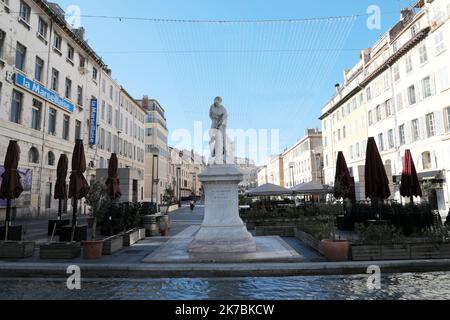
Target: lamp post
(291,167)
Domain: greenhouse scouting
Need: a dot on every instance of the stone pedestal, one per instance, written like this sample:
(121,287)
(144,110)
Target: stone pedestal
(222,229)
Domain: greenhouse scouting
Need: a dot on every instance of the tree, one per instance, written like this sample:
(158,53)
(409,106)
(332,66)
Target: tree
(99,201)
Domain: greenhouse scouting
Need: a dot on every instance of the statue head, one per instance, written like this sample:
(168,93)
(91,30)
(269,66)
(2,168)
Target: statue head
(217,101)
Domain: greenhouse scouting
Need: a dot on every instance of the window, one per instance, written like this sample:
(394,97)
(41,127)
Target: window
(431,132)
(386,81)
(368,94)
(94,73)
(68,90)
(21,52)
(388,108)
(103,110)
(33,155)
(395,46)
(24,12)
(370,116)
(426,87)
(408,63)
(38,69)
(104,86)
(381,142)
(57,42)
(2,43)
(77,129)
(439,42)
(399,102)
(70,52)
(36,110)
(401,135)
(55,79)
(391,138)
(415,130)
(447,117)
(423,54)
(51,121)
(412,95)
(378,113)
(396,71)
(109,115)
(16,106)
(42,28)
(111,92)
(426,160)
(66,126)
(358,151)
(82,61)
(51,158)
(444,78)
(80,95)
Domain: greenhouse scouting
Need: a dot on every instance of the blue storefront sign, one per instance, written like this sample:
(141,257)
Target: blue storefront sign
(43,92)
(93,123)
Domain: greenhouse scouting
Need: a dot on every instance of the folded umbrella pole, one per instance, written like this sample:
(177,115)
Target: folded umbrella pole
(78,186)
(410,186)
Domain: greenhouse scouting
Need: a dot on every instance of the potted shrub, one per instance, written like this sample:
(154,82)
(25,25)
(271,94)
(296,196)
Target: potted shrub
(334,249)
(99,202)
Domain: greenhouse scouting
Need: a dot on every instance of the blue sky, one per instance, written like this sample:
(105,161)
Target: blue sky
(270,75)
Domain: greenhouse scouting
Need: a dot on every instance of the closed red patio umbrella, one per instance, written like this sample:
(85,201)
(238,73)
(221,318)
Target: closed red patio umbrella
(113,180)
(376,181)
(410,186)
(78,186)
(344,185)
(11,187)
(61,183)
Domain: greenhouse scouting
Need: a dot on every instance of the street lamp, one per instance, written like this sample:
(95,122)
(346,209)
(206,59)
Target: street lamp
(291,167)
(155,180)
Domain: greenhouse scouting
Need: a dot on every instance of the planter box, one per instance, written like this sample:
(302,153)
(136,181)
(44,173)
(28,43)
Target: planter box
(142,232)
(130,237)
(275,231)
(59,224)
(16,250)
(14,233)
(60,250)
(309,240)
(408,251)
(112,245)
(79,235)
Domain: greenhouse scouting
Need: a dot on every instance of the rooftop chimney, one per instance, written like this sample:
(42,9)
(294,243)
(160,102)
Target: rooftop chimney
(57,10)
(145,102)
(79,32)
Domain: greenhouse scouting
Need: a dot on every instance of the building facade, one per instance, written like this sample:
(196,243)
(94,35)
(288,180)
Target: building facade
(398,93)
(275,170)
(156,150)
(184,169)
(303,161)
(50,81)
(262,175)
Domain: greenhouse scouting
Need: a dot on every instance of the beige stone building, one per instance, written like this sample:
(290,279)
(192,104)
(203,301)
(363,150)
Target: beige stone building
(156,150)
(262,175)
(275,170)
(303,161)
(50,79)
(398,93)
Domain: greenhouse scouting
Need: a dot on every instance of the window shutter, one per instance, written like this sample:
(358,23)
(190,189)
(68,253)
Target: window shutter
(439,122)
(408,132)
(433,84)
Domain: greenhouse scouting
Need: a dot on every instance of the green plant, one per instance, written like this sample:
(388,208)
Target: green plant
(378,234)
(168,197)
(99,202)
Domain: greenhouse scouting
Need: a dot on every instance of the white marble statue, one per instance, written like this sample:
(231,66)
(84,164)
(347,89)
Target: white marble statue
(220,144)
